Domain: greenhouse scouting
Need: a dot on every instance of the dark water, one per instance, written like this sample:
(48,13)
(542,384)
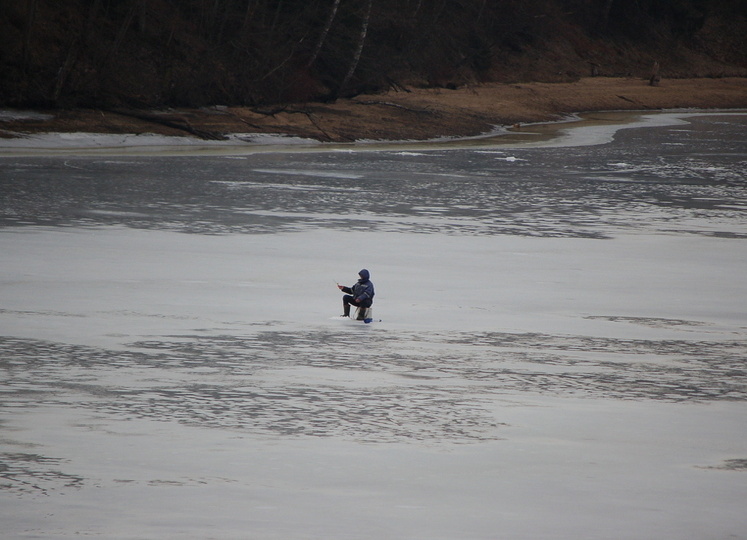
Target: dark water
(654,179)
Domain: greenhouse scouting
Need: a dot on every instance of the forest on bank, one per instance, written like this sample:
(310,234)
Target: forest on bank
(157,53)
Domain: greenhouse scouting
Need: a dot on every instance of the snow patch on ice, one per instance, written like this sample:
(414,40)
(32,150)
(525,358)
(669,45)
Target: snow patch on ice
(321,174)
(8,115)
(144,142)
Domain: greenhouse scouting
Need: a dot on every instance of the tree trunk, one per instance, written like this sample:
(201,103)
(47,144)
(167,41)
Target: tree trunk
(325,31)
(417,9)
(93,15)
(65,70)
(358,50)
(142,18)
(275,19)
(655,75)
(123,31)
(30,18)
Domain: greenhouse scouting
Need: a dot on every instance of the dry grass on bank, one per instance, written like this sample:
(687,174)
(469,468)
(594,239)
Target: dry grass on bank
(414,114)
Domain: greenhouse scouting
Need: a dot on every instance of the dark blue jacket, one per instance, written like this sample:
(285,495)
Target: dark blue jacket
(363,291)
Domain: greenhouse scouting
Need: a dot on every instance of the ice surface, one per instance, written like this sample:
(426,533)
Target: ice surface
(9,115)
(151,143)
(561,352)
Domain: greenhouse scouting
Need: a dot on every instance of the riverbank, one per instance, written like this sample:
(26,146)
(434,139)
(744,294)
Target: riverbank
(406,114)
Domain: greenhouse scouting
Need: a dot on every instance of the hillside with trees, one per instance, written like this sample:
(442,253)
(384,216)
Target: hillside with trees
(191,53)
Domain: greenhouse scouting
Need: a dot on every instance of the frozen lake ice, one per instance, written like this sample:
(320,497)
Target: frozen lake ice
(559,347)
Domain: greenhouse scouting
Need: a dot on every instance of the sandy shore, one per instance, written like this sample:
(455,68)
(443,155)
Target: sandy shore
(410,114)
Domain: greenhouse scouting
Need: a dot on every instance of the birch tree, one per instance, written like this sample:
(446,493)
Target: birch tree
(323,35)
(358,49)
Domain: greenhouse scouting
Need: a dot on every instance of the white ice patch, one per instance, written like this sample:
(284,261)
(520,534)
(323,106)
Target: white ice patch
(8,115)
(147,143)
(266,139)
(510,159)
(306,172)
(595,135)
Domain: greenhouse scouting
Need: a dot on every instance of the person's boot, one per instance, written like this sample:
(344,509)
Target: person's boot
(346,310)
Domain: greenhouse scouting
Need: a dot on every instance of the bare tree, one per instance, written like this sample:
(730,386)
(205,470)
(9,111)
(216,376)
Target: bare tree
(323,35)
(123,30)
(91,20)
(358,49)
(142,16)
(30,19)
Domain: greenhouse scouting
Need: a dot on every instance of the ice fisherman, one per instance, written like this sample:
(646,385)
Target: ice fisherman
(359,295)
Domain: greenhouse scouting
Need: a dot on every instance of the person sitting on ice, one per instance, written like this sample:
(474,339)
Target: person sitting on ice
(359,295)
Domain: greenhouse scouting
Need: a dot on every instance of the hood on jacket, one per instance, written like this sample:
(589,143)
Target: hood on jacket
(364,274)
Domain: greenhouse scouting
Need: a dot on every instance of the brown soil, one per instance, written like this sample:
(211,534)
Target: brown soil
(412,114)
